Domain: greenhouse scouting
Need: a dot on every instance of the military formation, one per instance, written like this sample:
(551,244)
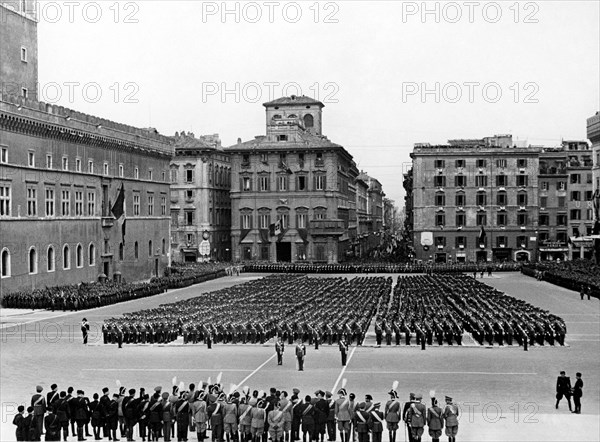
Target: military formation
(293,307)
(379,267)
(441,308)
(575,275)
(238,415)
(85,296)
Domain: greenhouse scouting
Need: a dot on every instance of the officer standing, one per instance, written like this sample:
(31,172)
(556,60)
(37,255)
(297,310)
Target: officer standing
(392,412)
(300,354)
(279,348)
(85,328)
(450,416)
(563,388)
(578,393)
(376,422)
(343,350)
(434,420)
(342,414)
(416,416)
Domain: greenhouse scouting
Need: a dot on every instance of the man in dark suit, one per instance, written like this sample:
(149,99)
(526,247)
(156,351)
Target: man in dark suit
(81,413)
(578,393)
(321,415)
(563,388)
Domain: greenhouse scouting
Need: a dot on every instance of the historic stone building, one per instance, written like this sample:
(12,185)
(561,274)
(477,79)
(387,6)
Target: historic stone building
(80,197)
(474,200)
(293,191)
(200,202)
(593,134)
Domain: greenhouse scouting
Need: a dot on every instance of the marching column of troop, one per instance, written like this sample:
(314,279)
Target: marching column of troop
(440,308)
(294,307)
(236,416)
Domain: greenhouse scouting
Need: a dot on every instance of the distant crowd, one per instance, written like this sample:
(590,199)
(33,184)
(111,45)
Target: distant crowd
(575,275)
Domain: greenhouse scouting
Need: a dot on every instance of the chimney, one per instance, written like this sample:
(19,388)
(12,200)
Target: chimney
(239,141)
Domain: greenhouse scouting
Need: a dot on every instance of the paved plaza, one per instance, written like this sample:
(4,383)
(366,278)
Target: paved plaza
(505,394)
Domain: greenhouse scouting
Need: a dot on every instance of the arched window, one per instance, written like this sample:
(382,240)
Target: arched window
(50,262)
(309,121)
(121,252)
(164,246)
(79,256)
(150,248)
(136,250)
(92,254)
(66,257)
(5,264)
(33,261)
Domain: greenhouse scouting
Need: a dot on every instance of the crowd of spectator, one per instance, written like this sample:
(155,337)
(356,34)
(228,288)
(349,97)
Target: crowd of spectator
(574,275)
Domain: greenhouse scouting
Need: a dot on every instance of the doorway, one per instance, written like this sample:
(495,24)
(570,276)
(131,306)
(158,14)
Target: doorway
(284,251)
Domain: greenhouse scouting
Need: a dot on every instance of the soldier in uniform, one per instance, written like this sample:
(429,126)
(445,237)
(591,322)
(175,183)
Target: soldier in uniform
(230,419)
(18,422)
(378,333)
(52,396)
(112,417)
(296,415)
(63,413)
(81,413)
(376,420)
(362,422)
(416,417)
(85,329)
(279,348)
(96,416)
(563,388)
(411,398)
(450,415)
(259,417)
(300,354)
(392,412)
(38,402)
(578,393)
(343,350)
(52,425)
(330,417)
(182,416)
(434,420)
(275,419)
(307,412)
(129,405)
(342,414)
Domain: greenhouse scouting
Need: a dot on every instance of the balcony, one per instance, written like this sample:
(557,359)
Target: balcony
(327,227)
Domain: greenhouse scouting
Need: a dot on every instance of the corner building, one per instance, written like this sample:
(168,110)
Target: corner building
(293,194)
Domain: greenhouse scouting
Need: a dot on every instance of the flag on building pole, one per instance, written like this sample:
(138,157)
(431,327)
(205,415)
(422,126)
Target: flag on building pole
(481,236)
(278,228)
(118,210)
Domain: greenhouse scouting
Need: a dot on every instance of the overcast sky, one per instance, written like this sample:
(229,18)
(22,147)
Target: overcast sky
(530,69)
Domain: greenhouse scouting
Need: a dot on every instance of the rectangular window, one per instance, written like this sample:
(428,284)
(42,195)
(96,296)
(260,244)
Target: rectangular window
(544,219)
(481,181)
(301,221)
(31,201)
(501,241)
(460,200)
(78,203)
(150,175)
(91,202)
(301,183)
(561,237)
(576,178)
(501,199)
(440,199)
(175,218)
(282,181)
(461,220)
(263,182)
(561,201)
(24,92)
(543,236)
(460,181)
(136,173)
(65,163)
(561,220)
(522,219)
(439,164)
(174,175)
(481,163)
(481,199)
(136,204)
(150,205)
(575,214)
(521,162)
(575,195)
(65,203)
(501,180)
(461,242)
(4,155)
(48,161)
(189,194)
(481,219)
(90,166)
(459,163)
(246,221)
(589,195)
(163,205)
(439,181)
(245,159)
(440,219)
(522,241)
(320,182)
(440,241)
(246,184)
(49,201)
(521,199)
(544,185)
(264,252)
(589,178)
(121,171)
(4,200)
(105,171)
(264,158)
(189,217)
(31,159)
(522,180)
(543,202)
(23,54)
(501,163)
(501,219)
(561,185)
(77,164)
(320,214)
(264,220)
(285,220)
(282,138)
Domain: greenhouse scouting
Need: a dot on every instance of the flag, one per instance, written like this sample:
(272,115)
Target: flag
(278,228)
(118,210)
(481,236)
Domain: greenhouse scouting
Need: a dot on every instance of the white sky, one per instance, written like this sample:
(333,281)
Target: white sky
(365,61)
